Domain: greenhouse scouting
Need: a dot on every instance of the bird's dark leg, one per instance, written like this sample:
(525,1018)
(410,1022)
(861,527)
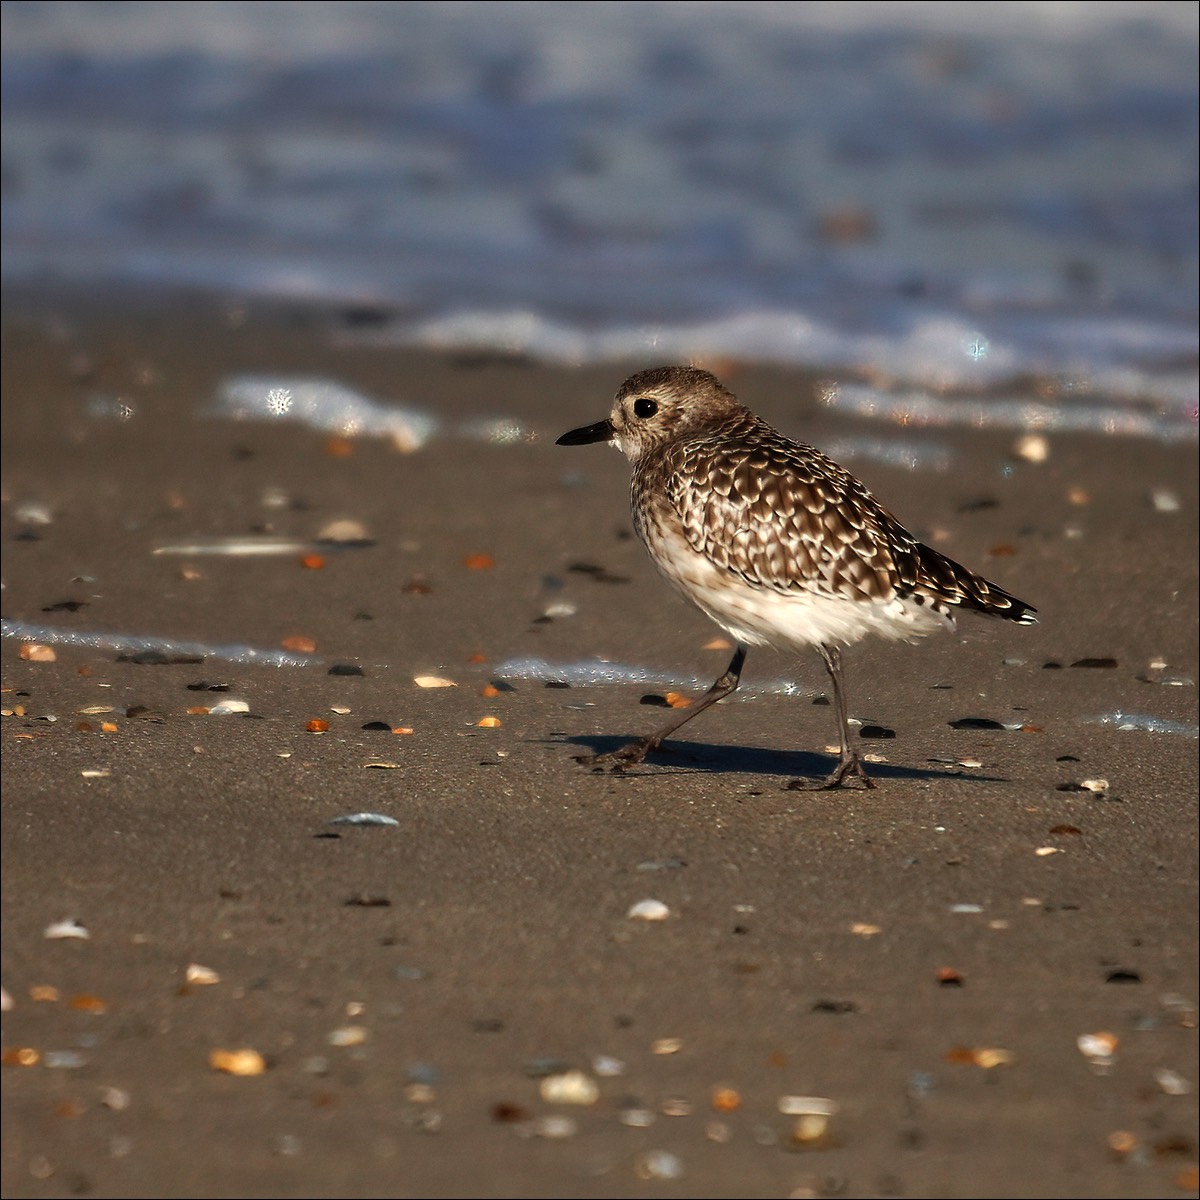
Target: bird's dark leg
(634,752)
(848,761)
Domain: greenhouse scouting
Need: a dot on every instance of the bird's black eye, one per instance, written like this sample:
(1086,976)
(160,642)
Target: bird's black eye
(644,408)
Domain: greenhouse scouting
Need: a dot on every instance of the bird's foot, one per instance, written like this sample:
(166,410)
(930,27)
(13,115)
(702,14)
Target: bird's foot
(620,759)
(848,773)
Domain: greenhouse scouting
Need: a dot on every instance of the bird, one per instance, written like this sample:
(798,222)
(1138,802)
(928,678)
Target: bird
(774,541)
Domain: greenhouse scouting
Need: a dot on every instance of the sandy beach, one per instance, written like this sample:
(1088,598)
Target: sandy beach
(978,979)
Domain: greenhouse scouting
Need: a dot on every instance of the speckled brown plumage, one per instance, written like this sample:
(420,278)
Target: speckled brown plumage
(770,537)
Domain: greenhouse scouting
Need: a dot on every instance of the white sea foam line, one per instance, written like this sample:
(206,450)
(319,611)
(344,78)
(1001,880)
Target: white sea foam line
(1145,723)
(138,644)
(587,674)
(922,409)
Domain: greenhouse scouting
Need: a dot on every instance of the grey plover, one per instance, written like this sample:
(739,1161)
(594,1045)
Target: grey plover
(773,540)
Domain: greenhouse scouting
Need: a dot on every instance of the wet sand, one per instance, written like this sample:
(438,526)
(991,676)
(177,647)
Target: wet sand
(925,956)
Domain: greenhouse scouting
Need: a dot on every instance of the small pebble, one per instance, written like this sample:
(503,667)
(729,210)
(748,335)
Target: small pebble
(649,910)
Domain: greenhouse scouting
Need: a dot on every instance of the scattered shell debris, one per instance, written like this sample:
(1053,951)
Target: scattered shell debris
(649,910)
(1098,1048)
(637,1118)
(1172,1083)
(666,1045)
(865,929)
(987,1057)
(347,1035)
(658,1164)
(237,1062)
(796,1106)
(69,927)
(1033,448)
(570,1087)
(345,531)
(37,652)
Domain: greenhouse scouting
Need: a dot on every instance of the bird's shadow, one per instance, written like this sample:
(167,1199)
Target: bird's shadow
(719,759)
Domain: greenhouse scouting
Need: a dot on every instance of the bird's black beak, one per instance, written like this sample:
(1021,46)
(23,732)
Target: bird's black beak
(602,431)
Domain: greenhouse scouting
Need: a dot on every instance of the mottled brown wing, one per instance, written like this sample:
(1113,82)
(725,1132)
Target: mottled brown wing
(782,515)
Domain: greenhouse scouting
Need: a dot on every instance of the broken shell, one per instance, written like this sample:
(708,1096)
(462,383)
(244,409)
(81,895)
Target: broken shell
(799,1106)
(345,530)
(433,681)
(237,1062)
(863,929)
(649,910)
(36,652)
(1033,448)
(658,1164)
(67,928)
(1098,1047)
(570,1087)
(347,1035)
(364,818)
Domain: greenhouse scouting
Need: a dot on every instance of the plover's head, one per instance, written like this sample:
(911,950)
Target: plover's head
(654,407)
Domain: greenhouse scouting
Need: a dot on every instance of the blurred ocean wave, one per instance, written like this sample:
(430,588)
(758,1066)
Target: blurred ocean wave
(953,198)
